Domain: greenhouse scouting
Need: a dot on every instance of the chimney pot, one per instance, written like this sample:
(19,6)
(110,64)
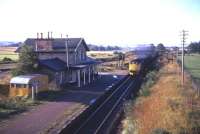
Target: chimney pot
(48,35)
(51,35)
(41,35)
(37,35)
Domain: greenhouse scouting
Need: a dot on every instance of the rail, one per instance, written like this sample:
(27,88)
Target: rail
(95,108)
(102,124)
(7,66)
(98,118)
(97,115)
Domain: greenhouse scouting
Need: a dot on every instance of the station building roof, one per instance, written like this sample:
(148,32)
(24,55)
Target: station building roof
(57,65)
(58,44)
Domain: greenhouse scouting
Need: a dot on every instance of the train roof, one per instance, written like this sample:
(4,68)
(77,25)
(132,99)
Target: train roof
(138,60)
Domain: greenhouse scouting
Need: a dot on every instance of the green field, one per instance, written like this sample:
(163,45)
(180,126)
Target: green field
(192,64)
(8,52)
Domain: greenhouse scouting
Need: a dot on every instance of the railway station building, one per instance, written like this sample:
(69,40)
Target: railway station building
(64,60)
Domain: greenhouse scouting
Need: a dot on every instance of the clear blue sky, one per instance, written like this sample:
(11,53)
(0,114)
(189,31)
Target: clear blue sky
(110,22)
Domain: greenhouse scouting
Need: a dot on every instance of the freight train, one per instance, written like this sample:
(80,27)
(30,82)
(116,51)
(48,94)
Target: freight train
(144,55)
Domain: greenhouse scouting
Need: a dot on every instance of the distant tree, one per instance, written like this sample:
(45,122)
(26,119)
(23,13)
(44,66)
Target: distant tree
(152,46)
(6,60)
(28,62)
(194,47)
(109,48)
(175,48)
(160,47)
(121,56)
(117,48)
(93,47)
(102,48)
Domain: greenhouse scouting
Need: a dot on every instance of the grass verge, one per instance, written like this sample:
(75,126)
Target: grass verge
(168,109)
(149,81)
(130,122)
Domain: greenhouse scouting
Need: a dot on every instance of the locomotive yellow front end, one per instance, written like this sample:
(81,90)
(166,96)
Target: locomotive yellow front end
(134,67)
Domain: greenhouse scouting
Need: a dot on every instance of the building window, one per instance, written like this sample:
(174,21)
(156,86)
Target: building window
(75,57)
(84,56)
(18,86)
(80,55)
(70,75)
(23,85)
(30,86)
(12,85)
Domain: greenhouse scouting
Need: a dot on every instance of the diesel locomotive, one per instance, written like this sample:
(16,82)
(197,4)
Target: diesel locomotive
(143,57)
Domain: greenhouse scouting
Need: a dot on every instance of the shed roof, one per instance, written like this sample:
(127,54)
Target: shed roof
(23,79)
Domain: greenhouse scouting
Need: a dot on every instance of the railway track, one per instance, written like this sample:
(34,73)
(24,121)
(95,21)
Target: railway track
(100,119)
(7,66)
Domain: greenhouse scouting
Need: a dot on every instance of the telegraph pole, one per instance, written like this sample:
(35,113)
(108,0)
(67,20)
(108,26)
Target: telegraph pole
(183,40)
(67,52)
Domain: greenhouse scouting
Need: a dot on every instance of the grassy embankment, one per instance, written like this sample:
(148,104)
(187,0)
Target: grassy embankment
(166,108)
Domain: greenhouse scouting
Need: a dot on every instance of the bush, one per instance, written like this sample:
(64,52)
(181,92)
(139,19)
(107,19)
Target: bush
(6,59)
(13,106)
(150,79)
(28,61)
(130,123)
(16,72)
(193,117)
(4,89)
(152,76)
(145,92)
